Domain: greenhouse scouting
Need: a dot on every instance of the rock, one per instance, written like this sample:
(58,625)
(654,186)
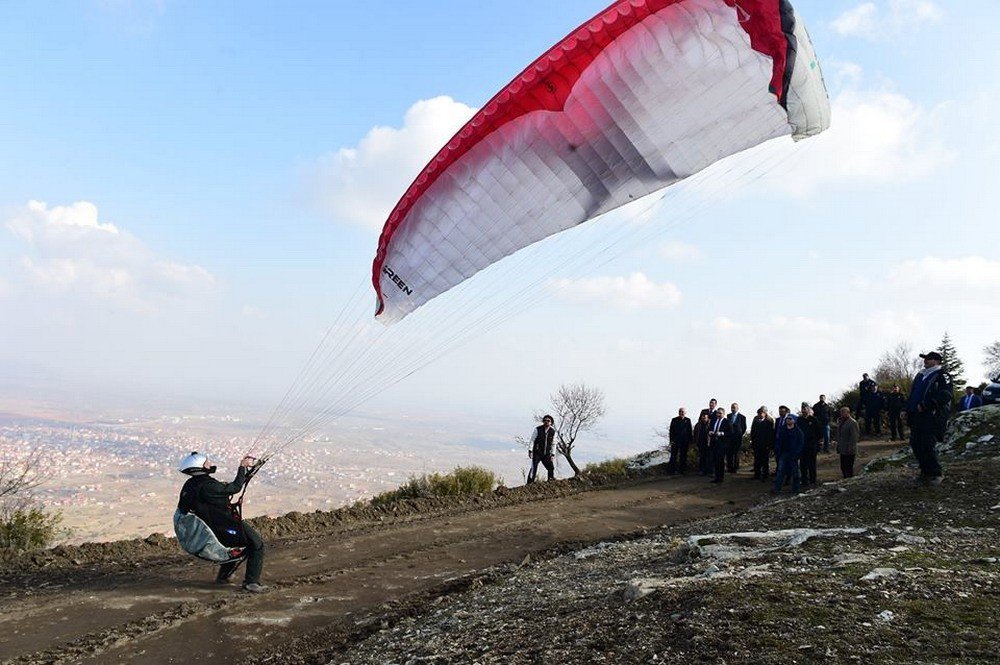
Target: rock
(881,574)
(910,539)
(886,615)
(643,586)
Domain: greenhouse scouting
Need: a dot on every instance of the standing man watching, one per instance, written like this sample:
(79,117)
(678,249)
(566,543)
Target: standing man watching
(865,385)
(895,402)
(718,437)
(738,425)
(821,410)
(788,451)
(543,449)
(762,440)
(848,435)
(710,411)
(681,434)
(811,435)
(701,429)
(927,412)
(970,400)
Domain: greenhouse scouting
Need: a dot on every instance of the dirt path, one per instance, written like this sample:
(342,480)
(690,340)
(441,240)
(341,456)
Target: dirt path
(171,613)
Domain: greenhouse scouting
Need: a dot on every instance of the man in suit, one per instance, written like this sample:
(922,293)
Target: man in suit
(762,442)
(710,411)
(821,410)
(738,425)
(927,411)
(865,386)
(718,438)
(970,400)
(681,434)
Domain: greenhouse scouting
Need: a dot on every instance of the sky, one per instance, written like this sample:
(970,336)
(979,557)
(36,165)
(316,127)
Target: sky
(189,193)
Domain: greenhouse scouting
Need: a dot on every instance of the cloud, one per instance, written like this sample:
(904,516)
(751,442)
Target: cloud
(798,327)
(361,184)
(674,250)
(961,275)
(636,291)
(878,137)
(882,22)
(71,251)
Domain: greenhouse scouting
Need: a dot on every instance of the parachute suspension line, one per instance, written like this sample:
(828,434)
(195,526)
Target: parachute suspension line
(306,367)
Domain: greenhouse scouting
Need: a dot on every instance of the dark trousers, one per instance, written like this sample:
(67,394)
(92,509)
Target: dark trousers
(788,470)
(761,461)
(546,461)
(807,464)
(826,438)
(255,557)
(873,420)
(896,425)
(733,455)
(678,458)
(847,465)
(719,460)
(923,439)
(704,459)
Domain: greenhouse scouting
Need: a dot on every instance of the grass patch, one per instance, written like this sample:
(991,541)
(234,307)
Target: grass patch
(463,481)
(610,467)
(28,528)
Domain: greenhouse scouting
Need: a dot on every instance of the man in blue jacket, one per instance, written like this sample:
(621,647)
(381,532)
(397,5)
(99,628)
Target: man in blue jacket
(971,400)
(788,449)
(927,412)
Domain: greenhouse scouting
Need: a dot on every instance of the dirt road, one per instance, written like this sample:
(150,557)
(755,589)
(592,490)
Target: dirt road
(170,612)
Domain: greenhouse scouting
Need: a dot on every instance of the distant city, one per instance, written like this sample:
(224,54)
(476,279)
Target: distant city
(117,478)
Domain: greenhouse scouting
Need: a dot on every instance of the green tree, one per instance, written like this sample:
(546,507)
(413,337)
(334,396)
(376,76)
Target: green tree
(951,362)
(992,360)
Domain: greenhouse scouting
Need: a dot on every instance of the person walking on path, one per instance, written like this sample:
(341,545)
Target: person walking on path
(927,412)
(718,438)
(701,444)
(681,434)
(895,402)
(970,400)
(738,427)
(543,449)
(762,440)
(821,410)
(812,434)
(848,435)
(788,451)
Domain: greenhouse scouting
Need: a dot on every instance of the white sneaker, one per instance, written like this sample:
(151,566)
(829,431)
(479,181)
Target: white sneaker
(253,587)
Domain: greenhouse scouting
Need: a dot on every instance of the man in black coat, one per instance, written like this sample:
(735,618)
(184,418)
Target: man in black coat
(762,441)
(821,410)
(681,434)
(874,404)
(895,402)
(543,449)
(927,411)
(738,425)
(710,411)
(812,433)
(865,386)
(718,438)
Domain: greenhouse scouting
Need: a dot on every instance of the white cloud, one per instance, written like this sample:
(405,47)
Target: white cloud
(675,250)
(797,327)
(960,275)
(636,291)
(71,251)
(882,22)
(252,312)
(361,184)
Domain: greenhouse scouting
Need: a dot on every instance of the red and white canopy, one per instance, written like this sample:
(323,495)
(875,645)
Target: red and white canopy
(645,94)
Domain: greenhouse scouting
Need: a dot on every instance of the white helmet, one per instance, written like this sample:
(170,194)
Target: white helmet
(193,462)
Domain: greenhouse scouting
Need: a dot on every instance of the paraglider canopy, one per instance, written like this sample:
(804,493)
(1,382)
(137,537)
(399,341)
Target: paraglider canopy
(645,94)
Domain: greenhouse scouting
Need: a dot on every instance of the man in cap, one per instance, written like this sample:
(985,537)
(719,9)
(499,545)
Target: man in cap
(927,412)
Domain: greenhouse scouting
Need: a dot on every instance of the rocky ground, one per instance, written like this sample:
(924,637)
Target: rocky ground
(875,569)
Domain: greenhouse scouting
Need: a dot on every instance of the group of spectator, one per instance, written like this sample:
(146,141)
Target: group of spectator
(795,440)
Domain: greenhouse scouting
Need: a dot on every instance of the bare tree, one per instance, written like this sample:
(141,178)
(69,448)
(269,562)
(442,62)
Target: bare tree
(992,360)
(577,408)
(898,365)
(21,475)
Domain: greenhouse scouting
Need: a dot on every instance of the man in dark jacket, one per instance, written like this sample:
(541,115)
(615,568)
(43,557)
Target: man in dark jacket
(701,442)
(762,441)
(927,411)
(821,410)
(681,434)
(210,500)
(895,402)
(812,433)
(784,413)
(865,385)
(710,411)
(738,425)
(718,440)
(874,405)
(543,449)
(788,451)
